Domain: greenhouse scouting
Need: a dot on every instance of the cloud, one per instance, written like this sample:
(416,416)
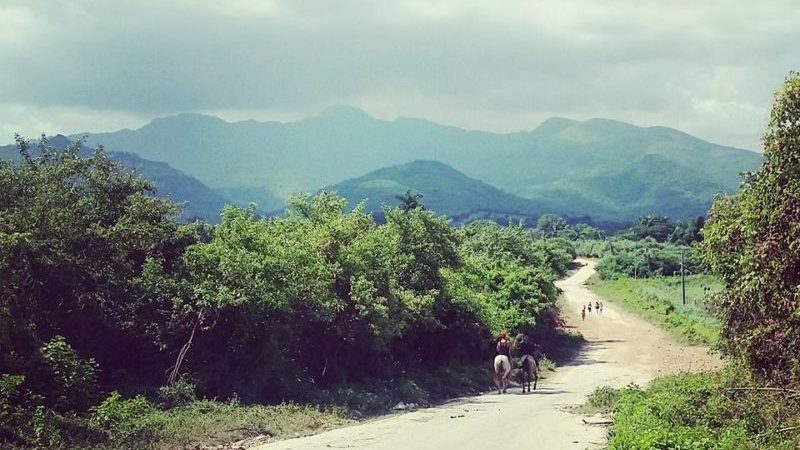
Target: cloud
(706,67)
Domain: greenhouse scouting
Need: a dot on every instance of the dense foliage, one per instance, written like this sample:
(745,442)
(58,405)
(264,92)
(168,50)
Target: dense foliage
(622,258)
(712,411)
(104,295)
(753,242)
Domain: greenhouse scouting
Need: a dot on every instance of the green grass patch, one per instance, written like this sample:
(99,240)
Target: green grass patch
(602,400)
(709,411)
(659,301)
(206,422)
(175,419)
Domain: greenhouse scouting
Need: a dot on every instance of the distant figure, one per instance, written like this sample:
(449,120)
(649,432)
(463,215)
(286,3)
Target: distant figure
(583,313)
(590,307)
(597,307)
(602,307)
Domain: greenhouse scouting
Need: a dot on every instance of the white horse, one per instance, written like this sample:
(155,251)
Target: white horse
(502,367)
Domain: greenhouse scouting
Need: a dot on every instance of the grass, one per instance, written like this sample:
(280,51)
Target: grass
(138,423)
(709,411)
(209,423)
(659,300)
(601,400)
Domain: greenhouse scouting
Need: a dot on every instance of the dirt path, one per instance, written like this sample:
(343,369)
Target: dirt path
(621,349)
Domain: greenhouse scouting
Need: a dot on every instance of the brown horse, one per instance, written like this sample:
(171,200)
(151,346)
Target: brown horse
(530,371)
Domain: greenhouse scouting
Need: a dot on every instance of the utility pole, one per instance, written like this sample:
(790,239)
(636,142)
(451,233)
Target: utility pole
(683,280)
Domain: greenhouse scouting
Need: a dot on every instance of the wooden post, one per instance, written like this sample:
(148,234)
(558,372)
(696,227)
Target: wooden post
(683,280)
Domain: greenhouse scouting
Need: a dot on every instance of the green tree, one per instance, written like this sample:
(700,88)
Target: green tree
(75,234)
(657,227)
(410,200)
(550,225)
(752,239)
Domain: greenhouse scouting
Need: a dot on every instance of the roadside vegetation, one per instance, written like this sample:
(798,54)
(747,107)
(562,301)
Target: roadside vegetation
(751,243)
(120,325)
(660,301)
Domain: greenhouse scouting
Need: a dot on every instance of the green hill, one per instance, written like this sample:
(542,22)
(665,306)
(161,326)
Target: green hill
(610,170)
(444,190)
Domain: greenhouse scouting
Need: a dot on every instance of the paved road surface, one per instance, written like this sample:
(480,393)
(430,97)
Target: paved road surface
(621,349)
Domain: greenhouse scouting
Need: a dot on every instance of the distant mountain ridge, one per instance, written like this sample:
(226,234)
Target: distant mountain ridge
(443,189)
(198,200)
(609,170)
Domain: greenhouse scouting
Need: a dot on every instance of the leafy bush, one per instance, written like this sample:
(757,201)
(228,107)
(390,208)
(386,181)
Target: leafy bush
(71,382)
(703,411)
(602,400)
(255,307)
(125,419)
(180,393)
(753,241)
(643,259)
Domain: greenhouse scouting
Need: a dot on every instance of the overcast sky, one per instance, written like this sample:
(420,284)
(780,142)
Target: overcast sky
(705,67)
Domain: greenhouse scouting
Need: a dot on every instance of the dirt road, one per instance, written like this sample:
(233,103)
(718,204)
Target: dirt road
(621,349)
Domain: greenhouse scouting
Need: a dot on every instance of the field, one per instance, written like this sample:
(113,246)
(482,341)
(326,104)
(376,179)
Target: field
(659,300)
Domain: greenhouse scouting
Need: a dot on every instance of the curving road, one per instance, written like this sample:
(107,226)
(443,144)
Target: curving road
(621,349)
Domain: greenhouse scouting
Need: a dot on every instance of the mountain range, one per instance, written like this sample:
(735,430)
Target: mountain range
(608,170)
(199,201)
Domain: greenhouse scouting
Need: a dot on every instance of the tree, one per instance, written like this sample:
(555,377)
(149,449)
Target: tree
(657,227)
(550,225)
(410,200)
(75,236)
(584,231)
(752,240)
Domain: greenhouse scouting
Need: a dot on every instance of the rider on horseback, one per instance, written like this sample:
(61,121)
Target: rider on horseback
(502,362)
(528,350)
(503,344)
(526,346)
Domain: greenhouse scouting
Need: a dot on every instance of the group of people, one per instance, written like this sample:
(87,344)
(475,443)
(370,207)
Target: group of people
(598,308)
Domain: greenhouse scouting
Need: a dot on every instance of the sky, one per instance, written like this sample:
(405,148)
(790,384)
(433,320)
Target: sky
(709,67)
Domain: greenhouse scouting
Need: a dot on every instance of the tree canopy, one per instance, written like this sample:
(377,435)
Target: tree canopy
(753,241)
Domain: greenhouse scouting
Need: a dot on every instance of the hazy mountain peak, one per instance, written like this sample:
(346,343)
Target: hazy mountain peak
(609,124)
(185,120)
(554,125)
(344,112)
(59,141)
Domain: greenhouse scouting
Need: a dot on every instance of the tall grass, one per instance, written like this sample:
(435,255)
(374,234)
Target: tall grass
(659,300)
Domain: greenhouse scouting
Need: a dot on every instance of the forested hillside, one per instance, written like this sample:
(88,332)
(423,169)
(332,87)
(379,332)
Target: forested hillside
(611,171)
(112,313)
(442,189)
(197,200)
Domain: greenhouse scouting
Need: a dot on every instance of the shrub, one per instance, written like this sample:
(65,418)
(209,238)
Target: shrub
(710,411)
(125,419)
(602,399)
(179,393)
(71,382)
(753,241)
